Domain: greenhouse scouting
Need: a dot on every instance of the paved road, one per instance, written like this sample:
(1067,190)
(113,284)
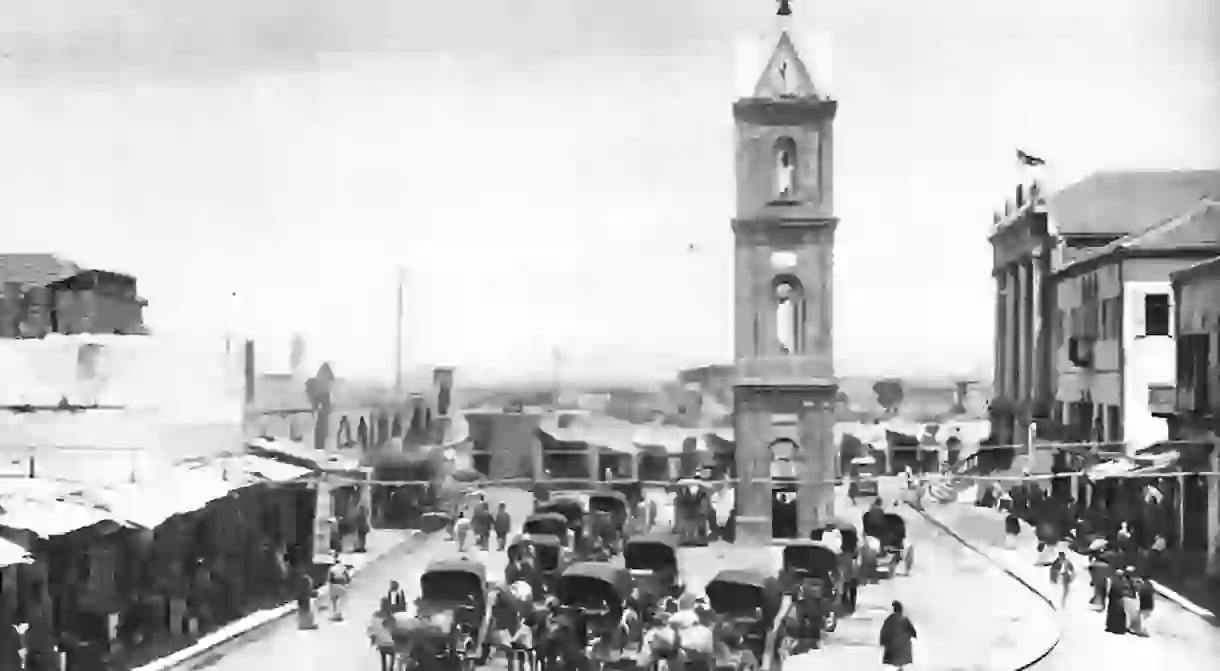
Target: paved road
(943,597)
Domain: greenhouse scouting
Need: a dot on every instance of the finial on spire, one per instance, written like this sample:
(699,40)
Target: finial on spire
(785,8)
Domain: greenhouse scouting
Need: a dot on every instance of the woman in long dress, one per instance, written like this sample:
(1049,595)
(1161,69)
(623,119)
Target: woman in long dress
(1116,615)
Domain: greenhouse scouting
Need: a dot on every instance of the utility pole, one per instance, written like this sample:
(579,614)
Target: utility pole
(398,333)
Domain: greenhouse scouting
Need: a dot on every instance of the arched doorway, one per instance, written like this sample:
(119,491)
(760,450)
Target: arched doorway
(785,455)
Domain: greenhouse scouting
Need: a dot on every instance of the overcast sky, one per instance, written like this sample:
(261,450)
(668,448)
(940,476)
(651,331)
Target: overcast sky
(540,167)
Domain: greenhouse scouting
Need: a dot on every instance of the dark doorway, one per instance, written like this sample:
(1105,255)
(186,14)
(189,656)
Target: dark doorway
(783,510)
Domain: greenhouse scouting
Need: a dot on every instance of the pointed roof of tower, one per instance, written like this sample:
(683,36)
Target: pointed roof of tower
(785,74)
(783,64)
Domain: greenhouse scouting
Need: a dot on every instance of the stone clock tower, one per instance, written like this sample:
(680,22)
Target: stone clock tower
(784,229)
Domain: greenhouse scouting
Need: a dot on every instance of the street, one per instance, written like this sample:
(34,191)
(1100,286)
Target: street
(958,629)
(1179,639)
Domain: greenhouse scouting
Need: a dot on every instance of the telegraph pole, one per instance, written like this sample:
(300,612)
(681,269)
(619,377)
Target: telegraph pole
(398,332)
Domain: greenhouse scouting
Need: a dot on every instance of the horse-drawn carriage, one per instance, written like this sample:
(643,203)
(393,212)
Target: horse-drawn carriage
(548,524)
(572,508)
(747,605)
(652,560)
(813,582)
(597,595)
(452,619)
(846,537)
(548,556)
(888,548)
(616,507)
(693,511)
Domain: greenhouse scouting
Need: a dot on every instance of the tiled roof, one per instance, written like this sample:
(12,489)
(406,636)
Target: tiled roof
(1198,226)
(1127,201)
(35,269)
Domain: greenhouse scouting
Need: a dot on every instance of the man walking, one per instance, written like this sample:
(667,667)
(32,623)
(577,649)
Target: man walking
(338,578)
(396,598)
(897,637)
(503,525)
(1063,573)
(481,524)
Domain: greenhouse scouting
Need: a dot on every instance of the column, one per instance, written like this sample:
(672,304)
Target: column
(752,428)
(815,503)
(1010,331)
(1028,305)
(1000,326)
(1044,354)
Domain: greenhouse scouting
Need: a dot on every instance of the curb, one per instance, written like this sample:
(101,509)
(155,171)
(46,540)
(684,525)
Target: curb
(1037,592)
(203,654)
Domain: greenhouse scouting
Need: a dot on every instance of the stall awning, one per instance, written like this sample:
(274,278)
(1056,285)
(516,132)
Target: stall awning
(190,486)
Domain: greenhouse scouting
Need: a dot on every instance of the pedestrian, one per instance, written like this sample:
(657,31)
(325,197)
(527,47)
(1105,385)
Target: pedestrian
(1012,529)
(306,615)
(396,598)
(461,529)
(1146,594)
(362,528)
(897,638)
(1116,617)
(338,578)
(1131,603)
(1097,579)
(503,525)
(481,524)
(1063,573)
(380,632)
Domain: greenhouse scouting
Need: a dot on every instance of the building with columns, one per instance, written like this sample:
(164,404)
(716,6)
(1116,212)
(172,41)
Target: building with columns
(784,393)
(1036,237)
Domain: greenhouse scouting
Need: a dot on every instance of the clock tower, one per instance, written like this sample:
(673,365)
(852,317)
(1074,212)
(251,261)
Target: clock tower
(784,228)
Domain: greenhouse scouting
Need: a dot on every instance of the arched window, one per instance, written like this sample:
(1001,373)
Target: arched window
(362,433)
(789,315)
(785,168)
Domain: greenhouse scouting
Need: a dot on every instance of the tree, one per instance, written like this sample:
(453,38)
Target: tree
(889,394)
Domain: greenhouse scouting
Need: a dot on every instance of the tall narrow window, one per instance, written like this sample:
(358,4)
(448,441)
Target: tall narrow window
(789,316)
(785,168)
(1156,315)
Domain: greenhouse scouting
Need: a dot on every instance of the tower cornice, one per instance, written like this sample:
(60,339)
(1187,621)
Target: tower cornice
(769,224)
(783,111)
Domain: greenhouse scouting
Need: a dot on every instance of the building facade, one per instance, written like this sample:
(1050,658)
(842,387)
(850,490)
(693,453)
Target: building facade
(1036,236)
(784,238)
(1114,350)
(1196,292)
(44,294)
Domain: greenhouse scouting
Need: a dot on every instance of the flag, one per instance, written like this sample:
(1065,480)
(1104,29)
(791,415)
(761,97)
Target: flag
(1029,160)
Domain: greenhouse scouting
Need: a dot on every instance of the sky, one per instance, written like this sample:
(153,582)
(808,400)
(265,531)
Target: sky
(541,168)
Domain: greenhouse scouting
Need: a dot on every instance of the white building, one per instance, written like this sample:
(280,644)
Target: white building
(130,404)
(1112,328)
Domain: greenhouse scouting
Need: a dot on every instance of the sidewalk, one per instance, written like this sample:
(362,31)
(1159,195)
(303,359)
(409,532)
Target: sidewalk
(1179,638)
(380,543)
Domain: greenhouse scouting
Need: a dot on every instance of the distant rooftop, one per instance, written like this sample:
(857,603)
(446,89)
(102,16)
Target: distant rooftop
(1195,228)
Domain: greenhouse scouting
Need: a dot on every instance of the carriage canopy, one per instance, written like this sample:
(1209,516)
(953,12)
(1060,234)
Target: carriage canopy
(546,524)
(586,581)
(614,503)
(741,593)
(570,509)
(811,557)
(651,552)
(547,549)
(460,581)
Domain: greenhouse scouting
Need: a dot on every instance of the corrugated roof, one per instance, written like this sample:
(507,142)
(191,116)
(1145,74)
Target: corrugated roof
(1126,201)
(11,553)
(1195,227)
(35,269)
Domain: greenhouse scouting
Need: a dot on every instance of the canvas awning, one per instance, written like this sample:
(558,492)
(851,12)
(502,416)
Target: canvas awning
(50,508)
